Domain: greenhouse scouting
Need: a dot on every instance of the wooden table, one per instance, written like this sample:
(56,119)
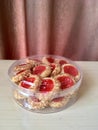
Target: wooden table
(83,115)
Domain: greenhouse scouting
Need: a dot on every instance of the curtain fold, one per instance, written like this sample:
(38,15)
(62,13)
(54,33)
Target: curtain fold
(61,27)
(12,29)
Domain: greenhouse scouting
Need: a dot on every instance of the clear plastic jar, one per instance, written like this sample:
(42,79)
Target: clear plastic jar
(39,96)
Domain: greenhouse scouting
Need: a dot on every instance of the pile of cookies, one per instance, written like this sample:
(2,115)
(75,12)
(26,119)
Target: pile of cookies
(46,78)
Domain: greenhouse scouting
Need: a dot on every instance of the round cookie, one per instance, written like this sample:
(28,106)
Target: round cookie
(59,102)
(32,82)
(72,70)
(42,70)
(36,104)
(20,75)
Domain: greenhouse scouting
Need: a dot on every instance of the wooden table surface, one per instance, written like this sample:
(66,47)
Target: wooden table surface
(83,115)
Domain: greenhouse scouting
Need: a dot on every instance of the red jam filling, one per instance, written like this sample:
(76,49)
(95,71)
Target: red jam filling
(46,85)
(71,70)
(65,81)
(50,59)
(58,99)
(30,79)
(27,82)
(39,69)
(25,85)
(62,62)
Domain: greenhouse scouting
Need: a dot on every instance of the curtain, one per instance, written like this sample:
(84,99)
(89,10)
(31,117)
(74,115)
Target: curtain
(62,27)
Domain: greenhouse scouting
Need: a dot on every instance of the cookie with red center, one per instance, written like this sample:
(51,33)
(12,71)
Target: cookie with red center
(49,85)
(20,75)
(36,103)
(59,102)
(55,69)
(72,70)
(48,88)
(66,81)
(32,82)
(23,66)
(48,60)
(42,70)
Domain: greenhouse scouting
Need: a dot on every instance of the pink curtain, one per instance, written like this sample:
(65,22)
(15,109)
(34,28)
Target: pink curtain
(62,27)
